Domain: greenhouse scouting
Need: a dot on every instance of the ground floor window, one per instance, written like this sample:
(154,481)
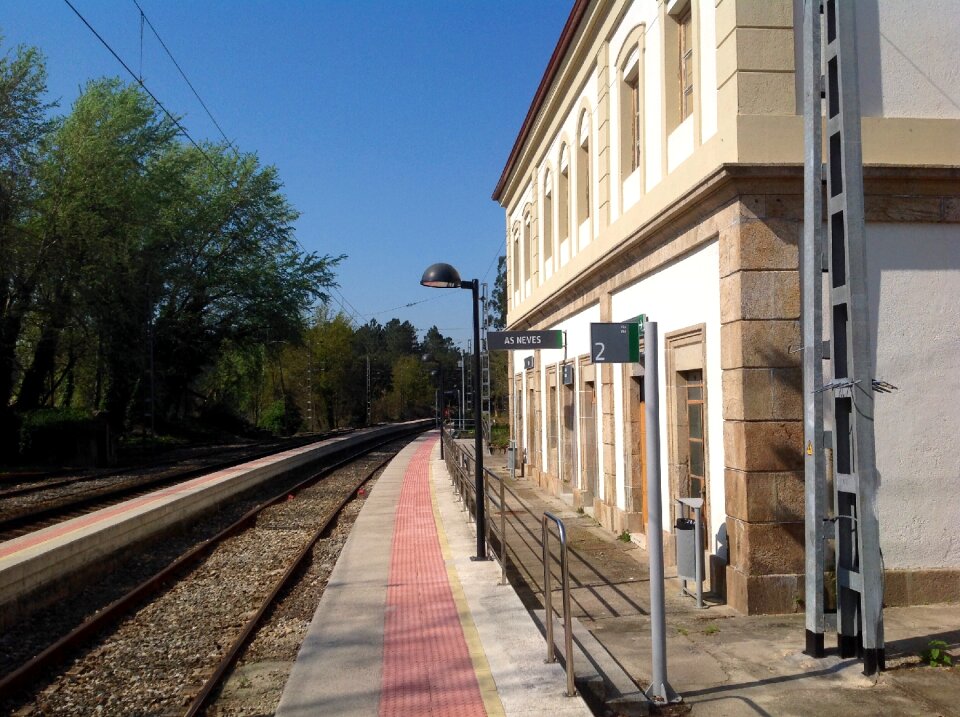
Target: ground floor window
(553,422)
(635,442)
(589,469)
(687,418)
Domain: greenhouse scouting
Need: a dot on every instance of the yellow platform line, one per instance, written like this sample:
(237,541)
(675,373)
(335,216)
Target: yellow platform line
(488,687)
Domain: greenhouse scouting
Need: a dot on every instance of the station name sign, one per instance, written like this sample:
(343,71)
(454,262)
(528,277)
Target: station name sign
(520,340)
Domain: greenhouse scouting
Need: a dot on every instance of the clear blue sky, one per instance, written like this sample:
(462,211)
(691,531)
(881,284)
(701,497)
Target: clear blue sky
(389,122)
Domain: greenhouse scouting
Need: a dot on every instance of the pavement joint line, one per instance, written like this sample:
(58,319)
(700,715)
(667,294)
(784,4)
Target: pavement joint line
(488,687)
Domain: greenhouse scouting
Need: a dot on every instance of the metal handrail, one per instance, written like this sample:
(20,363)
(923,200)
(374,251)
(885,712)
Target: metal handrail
(502,505)
(548,598)
(459,464)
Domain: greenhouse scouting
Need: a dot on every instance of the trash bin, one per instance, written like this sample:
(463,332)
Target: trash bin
(512,457)
(686,549)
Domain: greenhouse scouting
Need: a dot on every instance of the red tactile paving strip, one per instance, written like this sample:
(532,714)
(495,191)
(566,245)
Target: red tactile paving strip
(427,668)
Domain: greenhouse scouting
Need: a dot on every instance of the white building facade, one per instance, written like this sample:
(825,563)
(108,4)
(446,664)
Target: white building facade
(659,172)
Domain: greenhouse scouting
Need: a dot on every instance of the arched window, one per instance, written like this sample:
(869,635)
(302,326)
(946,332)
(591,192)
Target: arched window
(527,240)
(547,222)
(583,169)
(631,138)
(516,257)
(563,195)
(680,61)
(631,74)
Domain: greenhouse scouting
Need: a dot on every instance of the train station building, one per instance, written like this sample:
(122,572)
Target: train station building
(659,171)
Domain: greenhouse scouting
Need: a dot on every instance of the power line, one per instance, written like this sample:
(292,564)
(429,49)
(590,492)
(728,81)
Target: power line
(404,306)
(146,89)
(344,304)
(495,257)
(183,74)
(183,130)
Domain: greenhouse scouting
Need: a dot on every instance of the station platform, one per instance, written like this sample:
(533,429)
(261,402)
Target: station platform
(409,625)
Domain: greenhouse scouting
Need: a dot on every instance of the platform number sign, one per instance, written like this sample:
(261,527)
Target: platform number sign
(615,343)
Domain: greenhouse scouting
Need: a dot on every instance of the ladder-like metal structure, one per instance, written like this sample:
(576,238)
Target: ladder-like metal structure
(484,368)
(859,567)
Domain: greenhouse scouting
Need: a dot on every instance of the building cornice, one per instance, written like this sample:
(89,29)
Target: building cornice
(553,67)
(883,184)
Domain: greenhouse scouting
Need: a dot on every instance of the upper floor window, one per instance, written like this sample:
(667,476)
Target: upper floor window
(583,170)
(515,268)
(563,195)
(685,61)
(526,246)
(680,60)
(547,219)
(630,132)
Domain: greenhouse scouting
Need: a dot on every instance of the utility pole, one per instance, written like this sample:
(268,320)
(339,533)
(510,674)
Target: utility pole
(368,388)
(485,370)
(857,528)
(815,481)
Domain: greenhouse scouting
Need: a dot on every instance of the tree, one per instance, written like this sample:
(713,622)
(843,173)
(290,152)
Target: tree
(234,271)
(411,395)
(99,195)
(497,310)
(499,360)
(23,124)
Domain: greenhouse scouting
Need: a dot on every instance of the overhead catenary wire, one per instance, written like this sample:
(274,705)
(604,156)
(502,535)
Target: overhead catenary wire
(402,306)
(143,17)
(156,100)
(139,81)
(503,248)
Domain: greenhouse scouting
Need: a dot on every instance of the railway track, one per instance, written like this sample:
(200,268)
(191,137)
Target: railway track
(27,508)
(165,646)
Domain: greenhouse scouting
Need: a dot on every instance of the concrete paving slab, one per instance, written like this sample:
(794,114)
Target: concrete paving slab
(513,646)
(721,662)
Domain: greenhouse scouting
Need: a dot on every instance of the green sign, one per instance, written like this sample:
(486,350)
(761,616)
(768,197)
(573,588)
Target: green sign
(524,340)
(638,319)
(615,343)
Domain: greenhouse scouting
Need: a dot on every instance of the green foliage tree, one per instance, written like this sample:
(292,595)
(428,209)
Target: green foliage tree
(141,274)
(499,360)
(410,395)
(23,124)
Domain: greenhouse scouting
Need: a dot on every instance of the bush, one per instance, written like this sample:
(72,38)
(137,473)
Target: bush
(282,417)
(56,435)
(500,436)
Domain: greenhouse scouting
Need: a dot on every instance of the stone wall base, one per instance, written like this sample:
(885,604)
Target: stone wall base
(773,594)
(921,586)
(764,594)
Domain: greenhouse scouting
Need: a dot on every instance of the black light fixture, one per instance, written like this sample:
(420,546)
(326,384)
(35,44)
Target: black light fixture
(444,276)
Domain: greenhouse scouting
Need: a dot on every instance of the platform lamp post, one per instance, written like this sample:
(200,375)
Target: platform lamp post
(444,276)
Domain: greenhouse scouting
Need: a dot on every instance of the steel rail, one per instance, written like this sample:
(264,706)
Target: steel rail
(253,624)
(124,604)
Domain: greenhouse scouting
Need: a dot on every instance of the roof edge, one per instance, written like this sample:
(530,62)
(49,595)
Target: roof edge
(566,37)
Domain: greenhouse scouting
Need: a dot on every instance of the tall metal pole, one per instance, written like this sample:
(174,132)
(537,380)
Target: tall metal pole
(368,389)
(440,364)
(478,436)
(463,390)
(815,483)
(660,691)
(856,483)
